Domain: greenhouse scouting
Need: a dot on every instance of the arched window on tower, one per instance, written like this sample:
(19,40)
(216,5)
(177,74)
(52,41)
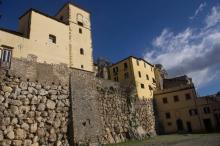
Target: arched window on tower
(81,51)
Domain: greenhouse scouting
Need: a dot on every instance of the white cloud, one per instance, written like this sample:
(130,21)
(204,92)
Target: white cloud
(200,8)
(214,18)
(195,52)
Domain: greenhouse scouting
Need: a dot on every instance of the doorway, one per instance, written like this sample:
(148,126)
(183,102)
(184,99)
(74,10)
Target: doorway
(208,125)
(189,127)
(179,124)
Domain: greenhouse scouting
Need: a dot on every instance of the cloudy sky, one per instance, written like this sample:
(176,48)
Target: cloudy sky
(195,51)
(183,35)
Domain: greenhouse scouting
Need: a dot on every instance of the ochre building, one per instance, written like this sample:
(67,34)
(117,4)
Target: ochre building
(179,109)
(137,72)
(61,39)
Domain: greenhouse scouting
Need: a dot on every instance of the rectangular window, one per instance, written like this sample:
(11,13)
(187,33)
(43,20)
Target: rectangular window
(169,124)
(126,75)
(188,96)
(165,101)
(144,65)
(142,86)
(193,112)
(125,65)
(147,77)
(52,38)
(115,70)
(153,80)
(80,30)
(5,56)
(139,74)
(168,116)
(206,110)
(176,98)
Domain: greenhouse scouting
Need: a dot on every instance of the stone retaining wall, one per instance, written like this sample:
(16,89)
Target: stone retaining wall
(108,112)
(37,108)
(33,114)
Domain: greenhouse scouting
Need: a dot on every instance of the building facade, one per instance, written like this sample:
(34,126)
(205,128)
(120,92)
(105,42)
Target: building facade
(179,109)
(61,39)
(137,72)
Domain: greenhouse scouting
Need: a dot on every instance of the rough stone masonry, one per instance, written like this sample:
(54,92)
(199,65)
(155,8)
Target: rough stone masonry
(107,112)
(38,109)
(33,114)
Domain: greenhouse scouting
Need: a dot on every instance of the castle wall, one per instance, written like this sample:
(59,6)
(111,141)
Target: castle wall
(33,113)
(38,108)
(104,112)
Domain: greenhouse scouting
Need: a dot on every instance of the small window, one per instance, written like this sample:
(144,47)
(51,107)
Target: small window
(153,80)
(115,70)
(139,74)
(6,54)
(125,65)
(193,112)
(80,23)
(188,96)
(169,124)
(80,30)
(176,98)
(147,77)
(81,51)
(142,86)
(82,66)
(137,62)
(52,38)
(126,75)
(168,116)
(165,101)
(144,65)
(206,110)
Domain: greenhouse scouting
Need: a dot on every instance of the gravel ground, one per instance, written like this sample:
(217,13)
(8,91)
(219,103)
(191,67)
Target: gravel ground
(178,140)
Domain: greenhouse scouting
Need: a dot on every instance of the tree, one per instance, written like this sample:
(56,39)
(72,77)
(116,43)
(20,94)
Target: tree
(102,65)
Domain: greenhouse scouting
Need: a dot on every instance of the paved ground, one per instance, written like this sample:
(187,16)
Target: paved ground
(178,140)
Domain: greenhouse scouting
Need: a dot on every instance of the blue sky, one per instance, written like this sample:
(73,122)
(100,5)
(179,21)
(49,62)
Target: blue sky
(170,32)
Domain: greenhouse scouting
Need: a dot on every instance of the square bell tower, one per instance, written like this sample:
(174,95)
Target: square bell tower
(80,38)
